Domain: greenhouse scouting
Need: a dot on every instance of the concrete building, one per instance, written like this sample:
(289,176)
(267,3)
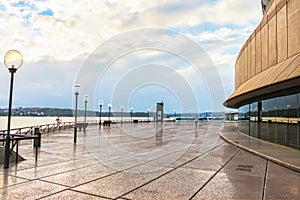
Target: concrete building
(267,76)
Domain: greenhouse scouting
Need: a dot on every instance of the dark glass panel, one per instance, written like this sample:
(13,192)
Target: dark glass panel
(253,119)
(244,119)
(292,120)
(268,125)
(281,120)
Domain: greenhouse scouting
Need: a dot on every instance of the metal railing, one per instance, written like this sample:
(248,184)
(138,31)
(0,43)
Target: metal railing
(45,128)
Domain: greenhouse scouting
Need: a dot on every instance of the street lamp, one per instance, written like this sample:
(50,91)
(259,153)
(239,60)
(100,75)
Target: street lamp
(122,108)
(100,105)
(86,98)
(131,111)
(174,115)
(76,92)
(13,60)
(148,114)
(109,109)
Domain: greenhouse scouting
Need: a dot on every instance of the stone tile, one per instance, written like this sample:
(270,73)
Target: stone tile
(72,195)
(8,180)
(246,164)
(282,183)
(87,166)
(47,170)
(30,190)
(174,160)
(120,183)
(213,160)
(231,186)
(178,184)
(80,176)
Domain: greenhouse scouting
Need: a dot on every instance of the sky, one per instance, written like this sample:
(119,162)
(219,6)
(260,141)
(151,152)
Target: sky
(128,53)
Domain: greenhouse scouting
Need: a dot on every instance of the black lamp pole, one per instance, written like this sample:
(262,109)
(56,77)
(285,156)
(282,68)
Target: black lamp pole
(7,141)
(100,114)
(13,60)
(75,127)
(109,109)
(85,108)
(122,108)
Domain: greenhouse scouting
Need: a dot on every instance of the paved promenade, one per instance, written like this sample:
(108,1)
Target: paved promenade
(145,161)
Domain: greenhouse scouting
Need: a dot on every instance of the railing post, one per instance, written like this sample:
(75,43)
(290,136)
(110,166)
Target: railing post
(17,151)
(37,141)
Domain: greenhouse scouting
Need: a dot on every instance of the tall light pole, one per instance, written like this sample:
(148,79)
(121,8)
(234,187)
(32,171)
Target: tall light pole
(109,109)
(100,114)
(148,114)
(122,109)
(76,92)
(174,115)
(86,98)
(131,112)
(13,60)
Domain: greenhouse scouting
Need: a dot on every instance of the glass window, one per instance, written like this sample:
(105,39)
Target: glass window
(254,119)
(281,120)
(276,120)
(269,110)
(292,108)
(244,119)
(292,120)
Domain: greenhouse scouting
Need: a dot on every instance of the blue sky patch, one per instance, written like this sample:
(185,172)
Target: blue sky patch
(25,5)
(48,12)
(2,8)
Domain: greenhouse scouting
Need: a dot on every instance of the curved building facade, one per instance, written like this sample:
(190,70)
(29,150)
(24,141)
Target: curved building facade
(267,76)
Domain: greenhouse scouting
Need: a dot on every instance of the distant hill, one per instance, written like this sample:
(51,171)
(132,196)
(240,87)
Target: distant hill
(66,112)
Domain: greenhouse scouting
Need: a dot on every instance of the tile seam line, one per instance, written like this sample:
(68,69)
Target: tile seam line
(39,178)
(49,195)
(122,196)
(214,174)
(71,187)
(48,164)
(124,170)
(265,181)
(270,158)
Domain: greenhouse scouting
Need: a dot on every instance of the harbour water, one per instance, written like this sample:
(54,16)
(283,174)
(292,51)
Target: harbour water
(19,122)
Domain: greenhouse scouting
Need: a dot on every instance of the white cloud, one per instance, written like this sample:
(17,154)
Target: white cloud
(77,27)
(60,43)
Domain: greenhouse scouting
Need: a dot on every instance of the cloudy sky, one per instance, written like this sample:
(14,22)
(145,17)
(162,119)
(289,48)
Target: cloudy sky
(131,53)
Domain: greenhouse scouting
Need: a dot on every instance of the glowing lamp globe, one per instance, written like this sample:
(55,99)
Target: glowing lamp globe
(13,59)
(76,88)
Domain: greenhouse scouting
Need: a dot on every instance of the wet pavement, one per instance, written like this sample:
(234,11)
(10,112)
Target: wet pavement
(279,154)
(146,161)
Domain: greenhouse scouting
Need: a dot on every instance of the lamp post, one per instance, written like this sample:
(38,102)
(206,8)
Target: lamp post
(174,115)
(122,109)
(131,112)
(13,60)
(148,114)
(86,97)
(109,109)
(76,92)
(100,114)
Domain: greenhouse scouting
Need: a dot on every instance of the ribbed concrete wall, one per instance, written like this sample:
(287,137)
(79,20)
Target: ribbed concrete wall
(274,43)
